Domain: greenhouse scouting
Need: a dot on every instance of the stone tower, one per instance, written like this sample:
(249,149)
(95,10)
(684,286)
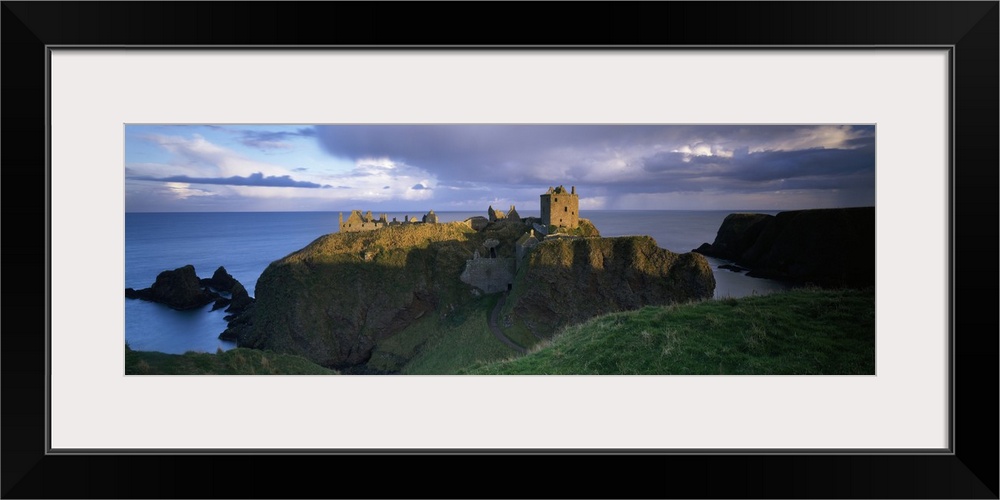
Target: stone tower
(561,208)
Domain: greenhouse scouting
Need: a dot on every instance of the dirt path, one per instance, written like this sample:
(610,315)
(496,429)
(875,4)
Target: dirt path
(496,329)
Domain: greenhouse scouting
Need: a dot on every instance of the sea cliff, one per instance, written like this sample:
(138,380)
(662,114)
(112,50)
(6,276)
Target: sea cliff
(567,281)
(335,300)
(825,247)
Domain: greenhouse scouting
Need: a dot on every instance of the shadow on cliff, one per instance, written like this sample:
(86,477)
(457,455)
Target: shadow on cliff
(567,282)
(335,300)
(334,312)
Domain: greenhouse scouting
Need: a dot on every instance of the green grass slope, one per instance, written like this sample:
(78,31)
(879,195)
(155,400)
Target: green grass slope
(238,361)
(436,346)
(792,333)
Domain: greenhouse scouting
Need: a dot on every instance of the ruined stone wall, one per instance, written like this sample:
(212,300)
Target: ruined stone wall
(354,227)
(495,215)
(489,275)
(523,249)
(478,223)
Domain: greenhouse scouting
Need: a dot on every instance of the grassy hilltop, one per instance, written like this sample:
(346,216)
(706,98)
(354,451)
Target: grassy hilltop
(821,332)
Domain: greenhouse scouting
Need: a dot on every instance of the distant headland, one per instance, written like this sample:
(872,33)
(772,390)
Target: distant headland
(830,247)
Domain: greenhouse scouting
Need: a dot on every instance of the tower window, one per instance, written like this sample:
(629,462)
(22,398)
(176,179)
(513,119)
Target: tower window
(565,209)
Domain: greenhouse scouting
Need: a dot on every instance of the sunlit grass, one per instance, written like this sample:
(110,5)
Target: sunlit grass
(791,333)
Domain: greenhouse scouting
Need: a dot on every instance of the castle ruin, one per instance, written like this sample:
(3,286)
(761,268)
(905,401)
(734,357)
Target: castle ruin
(357,221)
(524,244)
(513,215)
(496,215)
(487,271)
(561,208)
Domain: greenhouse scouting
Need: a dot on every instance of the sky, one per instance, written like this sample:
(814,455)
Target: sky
(389,168)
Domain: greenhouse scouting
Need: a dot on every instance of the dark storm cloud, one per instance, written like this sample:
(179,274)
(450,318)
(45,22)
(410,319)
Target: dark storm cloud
(767,165)
(670,161)
(268,140)
(472,151)
(773,165)
(492,152)
(619,160)
(868,140)
(814,168)
(257,179)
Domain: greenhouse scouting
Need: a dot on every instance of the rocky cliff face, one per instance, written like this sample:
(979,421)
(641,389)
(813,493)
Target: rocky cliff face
(736,235)
(568,281)
(335,299)
(826,247)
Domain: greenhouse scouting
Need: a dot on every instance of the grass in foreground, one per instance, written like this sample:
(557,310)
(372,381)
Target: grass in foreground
(239,361)
(792,333)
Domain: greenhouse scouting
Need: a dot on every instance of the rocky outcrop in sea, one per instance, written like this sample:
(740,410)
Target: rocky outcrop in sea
(181,289)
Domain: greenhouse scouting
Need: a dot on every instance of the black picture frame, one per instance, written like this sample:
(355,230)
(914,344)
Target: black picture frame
(970,28)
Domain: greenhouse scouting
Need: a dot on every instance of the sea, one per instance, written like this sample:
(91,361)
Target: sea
(246,242)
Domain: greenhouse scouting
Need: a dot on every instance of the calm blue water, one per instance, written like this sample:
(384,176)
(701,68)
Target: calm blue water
(245,243)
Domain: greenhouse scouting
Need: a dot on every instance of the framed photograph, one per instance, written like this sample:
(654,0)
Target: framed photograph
(149,115)
(470,265)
